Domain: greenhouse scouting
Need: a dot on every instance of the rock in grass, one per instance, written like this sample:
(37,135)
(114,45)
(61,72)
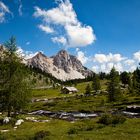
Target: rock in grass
(3,131)
(6,120)
(19,122)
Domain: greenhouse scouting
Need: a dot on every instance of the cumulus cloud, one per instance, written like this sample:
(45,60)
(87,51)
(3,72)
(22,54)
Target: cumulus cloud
(46,28)
(63,14)
(81,56)
(102,58)
(95,69)
(119,67)
(61,39)
(137,56)
(3,11)
(76,34)
(106,62)
(79,36)
(25,54)
(129,62)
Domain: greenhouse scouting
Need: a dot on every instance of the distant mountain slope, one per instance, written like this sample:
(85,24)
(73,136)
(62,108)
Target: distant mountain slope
(62,66)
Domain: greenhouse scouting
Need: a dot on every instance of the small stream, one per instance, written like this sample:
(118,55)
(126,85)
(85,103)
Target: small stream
(69,116)
(132,111)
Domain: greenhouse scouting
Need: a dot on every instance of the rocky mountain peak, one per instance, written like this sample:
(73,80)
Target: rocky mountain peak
(62,66)
(62,60)
(39,55)
(62,52)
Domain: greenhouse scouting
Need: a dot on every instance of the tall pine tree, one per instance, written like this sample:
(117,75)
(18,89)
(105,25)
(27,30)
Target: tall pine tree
(96,83)
(14,89)
(136,81)
(114,92)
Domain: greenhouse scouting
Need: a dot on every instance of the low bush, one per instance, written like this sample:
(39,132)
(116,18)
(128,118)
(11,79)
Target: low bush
(108,119)
(105,119)
(72,131)
(118,119)
(81,126)
(41,135)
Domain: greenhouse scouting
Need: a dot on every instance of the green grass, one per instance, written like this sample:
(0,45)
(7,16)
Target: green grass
(59,129)
(46,93)
(50,93)
(82,130)
(90,103)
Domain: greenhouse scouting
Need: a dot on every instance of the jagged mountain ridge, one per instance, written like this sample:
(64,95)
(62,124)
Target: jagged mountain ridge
(62,66)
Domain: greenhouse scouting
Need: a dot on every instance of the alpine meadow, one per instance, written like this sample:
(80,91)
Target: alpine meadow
(69,70)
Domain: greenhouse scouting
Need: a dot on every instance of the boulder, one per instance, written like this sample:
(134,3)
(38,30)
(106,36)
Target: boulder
(18,122)
(6,120)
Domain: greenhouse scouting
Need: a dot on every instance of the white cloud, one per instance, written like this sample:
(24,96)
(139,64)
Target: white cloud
(102,58)
(81,56)
(119,67)
(61,40)
(129,62)
(28,43)
(64,16)
(115,57)
(4,8)
(137,56)
(109,66)
(79,36)
(20,8)
(121,63)
(95,69)
(132,68)
(103,67)
(46,28)
(3,11)
(25,54)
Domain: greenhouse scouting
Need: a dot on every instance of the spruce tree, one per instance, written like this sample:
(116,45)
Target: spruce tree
(136,81)
(88,89)
(125,78)
(14,90)
(114,92)
(96,83)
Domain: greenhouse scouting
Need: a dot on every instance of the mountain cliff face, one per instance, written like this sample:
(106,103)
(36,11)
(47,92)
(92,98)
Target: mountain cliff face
(62,66)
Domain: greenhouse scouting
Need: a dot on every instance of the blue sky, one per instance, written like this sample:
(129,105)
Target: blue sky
(101,33)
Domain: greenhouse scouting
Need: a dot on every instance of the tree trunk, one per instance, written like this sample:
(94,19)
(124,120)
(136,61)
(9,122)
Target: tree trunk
(9,112)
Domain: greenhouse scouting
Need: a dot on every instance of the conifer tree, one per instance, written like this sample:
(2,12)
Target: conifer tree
(14,90)
(114,92)
(136,81)
(88,89)
(96,83)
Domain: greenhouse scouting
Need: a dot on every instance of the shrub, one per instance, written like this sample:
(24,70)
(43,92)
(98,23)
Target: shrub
(41,135)
(81,126)
(118,119)
(72,131)
(107,119)
(89,128)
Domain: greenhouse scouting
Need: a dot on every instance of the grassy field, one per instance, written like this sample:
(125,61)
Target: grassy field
(50,93)
(57,129)
(80,130)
